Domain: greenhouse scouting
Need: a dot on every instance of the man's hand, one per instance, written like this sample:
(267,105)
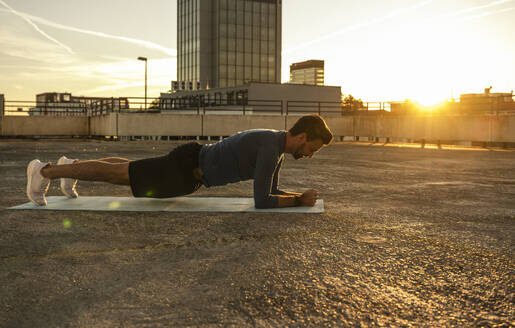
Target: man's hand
(309,197)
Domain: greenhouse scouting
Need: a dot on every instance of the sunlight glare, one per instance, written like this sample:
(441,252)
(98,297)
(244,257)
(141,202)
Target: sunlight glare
(114,205)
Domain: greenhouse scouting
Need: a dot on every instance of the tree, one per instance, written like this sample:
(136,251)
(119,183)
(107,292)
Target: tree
(351,103)
(156,104)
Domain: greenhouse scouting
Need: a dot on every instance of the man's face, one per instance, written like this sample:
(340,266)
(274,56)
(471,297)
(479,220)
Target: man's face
(308,148)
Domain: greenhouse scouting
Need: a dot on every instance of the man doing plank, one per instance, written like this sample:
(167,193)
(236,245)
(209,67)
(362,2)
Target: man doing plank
(252,154)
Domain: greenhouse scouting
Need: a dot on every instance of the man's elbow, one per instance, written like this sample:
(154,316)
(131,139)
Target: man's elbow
(264,203)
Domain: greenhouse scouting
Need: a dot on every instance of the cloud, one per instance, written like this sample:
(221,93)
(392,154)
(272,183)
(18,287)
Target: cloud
(351,28)
(471,9)
(487,13)
(123,74)
(31,23)
(143,43)
(488,5)
(31,48)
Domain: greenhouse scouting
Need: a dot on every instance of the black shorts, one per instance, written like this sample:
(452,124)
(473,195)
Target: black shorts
(166,176)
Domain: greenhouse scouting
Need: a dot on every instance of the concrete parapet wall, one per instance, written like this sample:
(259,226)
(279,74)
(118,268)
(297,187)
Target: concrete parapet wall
(410,127)
(104,125)
(476,128)
(468,128)
(159,125)
(44,126)
(503,128)
(339,125)
(226,125)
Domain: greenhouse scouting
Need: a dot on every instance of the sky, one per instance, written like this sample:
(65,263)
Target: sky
(376,50)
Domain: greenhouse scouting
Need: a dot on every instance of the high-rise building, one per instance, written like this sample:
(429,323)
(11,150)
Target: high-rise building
(225,43)
(307,72)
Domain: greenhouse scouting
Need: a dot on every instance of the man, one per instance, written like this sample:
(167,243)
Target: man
(252,154)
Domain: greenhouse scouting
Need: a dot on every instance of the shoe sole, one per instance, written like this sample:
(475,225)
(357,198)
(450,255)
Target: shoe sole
(63,181)
(30,168)
(63,190)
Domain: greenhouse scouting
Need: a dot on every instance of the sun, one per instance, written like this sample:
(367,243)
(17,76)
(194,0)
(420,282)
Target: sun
(430,102)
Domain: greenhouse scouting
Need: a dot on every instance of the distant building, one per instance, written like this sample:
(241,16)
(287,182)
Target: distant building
(2,105)
(307,72)
(229,56)
(486,98)
(2,110)
(404,107)
(256,98)
(65,104)
(225,43)
(487,101)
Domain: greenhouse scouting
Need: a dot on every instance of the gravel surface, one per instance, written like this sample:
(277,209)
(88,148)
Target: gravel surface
(410,237)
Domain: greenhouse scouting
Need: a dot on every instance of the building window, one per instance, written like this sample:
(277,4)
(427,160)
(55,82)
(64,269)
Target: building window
(232,72)
(271,74)
(239,73)
(223,17)
(255,73)
(231,16)
(223,71)
(239,59)
(248,73)
(264,74)
(224,30)
(231,58)
(223,44)
(264,48)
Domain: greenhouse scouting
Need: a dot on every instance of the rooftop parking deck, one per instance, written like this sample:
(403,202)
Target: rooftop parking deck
(409,237)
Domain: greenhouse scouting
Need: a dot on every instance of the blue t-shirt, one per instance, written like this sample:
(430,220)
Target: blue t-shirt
(252,154)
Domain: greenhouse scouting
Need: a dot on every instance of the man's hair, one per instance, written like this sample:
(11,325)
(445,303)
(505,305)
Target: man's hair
(315,128)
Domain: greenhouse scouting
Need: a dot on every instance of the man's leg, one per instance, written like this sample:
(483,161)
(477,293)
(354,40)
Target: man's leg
(106,159)
(68,186)
(111,171)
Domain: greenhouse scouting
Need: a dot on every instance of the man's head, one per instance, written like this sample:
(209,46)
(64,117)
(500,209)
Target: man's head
(309,134)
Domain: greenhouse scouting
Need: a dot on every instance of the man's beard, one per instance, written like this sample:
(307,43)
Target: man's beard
(297,154)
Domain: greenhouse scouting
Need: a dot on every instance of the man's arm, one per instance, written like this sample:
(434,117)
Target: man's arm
(275,182)
(286,193)
(266,178)
(308,198)
(266,164)
(275,179)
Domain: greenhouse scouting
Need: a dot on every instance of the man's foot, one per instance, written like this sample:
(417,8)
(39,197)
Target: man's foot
(67,184)
(37,185)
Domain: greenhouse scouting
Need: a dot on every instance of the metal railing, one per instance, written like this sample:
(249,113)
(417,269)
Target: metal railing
(236,106)
(320,107)
(199,105)
(32,108)
(89,108)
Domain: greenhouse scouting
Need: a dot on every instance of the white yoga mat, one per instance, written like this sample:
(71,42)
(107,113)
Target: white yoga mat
(178,204)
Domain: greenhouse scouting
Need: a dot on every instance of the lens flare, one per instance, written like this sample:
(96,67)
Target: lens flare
(114,205)
(67,223)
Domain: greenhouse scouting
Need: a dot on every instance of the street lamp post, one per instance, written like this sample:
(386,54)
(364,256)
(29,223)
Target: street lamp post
(145,60)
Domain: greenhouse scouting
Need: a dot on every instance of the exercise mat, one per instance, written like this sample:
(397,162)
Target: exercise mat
(177,204)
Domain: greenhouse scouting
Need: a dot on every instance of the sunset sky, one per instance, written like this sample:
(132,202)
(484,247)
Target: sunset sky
(376,50)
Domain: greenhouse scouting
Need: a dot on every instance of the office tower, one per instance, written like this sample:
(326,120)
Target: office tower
(224,43)
(307,72)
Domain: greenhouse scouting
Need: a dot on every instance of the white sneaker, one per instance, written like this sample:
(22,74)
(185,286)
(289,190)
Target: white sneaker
(68,184)
(37,185)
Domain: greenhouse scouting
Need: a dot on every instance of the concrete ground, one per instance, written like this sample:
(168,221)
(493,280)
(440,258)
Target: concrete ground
(410,238)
